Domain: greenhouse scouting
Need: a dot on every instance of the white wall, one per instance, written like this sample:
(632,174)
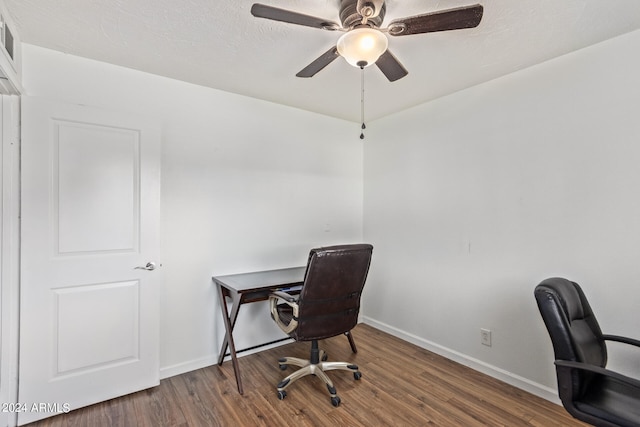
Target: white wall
(246,185)
(472,200)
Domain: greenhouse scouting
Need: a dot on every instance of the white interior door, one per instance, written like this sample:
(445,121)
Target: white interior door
(89,320)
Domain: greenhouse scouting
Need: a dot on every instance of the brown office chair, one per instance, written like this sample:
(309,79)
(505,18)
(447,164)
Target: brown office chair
(327,306)
(588,390)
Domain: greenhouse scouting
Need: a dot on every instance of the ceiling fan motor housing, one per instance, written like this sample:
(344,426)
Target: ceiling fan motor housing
(350,17)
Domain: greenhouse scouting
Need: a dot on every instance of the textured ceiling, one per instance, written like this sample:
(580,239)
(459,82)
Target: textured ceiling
(217,43)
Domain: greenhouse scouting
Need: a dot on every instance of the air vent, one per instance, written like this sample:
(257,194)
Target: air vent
(6,37)
(8,41)
(10,58)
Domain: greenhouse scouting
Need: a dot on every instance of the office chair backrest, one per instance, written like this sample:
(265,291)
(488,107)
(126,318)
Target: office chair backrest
(574,330)
(329,301)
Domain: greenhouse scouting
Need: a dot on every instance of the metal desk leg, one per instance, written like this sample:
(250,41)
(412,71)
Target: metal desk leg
(229,323)
(225,317)
(352,343)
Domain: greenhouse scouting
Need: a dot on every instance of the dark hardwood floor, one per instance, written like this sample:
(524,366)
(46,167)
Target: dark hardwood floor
(401,385)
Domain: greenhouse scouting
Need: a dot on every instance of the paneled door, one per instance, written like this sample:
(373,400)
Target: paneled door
(89,310)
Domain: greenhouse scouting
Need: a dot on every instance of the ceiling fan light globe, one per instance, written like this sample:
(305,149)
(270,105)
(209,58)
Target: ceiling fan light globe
(362,45)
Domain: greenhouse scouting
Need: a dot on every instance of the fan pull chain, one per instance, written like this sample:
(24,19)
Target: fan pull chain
(362,103)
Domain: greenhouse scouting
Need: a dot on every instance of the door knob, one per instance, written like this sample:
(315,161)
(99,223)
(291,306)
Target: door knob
(149,267)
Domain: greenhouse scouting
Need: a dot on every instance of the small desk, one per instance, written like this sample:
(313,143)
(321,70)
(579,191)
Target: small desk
(247,288)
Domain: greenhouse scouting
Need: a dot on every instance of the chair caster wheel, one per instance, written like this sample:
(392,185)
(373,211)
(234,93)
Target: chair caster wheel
(283,367)
(357,375)
(325,357)
(335,401)
(282,394)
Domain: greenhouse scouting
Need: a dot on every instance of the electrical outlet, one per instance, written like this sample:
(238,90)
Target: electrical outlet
(485,337)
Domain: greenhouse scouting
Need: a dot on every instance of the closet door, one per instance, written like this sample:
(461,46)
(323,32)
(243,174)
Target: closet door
(90,239)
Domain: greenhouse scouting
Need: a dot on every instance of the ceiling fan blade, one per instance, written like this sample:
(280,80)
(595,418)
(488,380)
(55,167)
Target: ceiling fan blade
(269,12)
(391,67)
(325,59)
(444,20)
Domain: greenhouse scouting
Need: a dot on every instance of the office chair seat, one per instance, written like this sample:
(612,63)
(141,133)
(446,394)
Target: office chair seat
(609,398)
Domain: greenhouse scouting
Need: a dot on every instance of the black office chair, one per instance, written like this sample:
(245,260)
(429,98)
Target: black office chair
(327,306)
(588,390)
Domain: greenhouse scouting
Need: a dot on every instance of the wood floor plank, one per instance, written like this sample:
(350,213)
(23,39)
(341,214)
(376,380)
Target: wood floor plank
(401,385)
(431,399)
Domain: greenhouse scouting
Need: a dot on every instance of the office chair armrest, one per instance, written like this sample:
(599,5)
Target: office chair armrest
(598,370)
(290,300)
(284,296)
(624,340)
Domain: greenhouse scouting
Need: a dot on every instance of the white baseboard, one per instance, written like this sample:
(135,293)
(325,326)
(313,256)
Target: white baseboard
(192,365)
(182,368)
(522,383)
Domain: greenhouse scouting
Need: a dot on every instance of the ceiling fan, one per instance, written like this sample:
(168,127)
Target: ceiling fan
(364,42)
